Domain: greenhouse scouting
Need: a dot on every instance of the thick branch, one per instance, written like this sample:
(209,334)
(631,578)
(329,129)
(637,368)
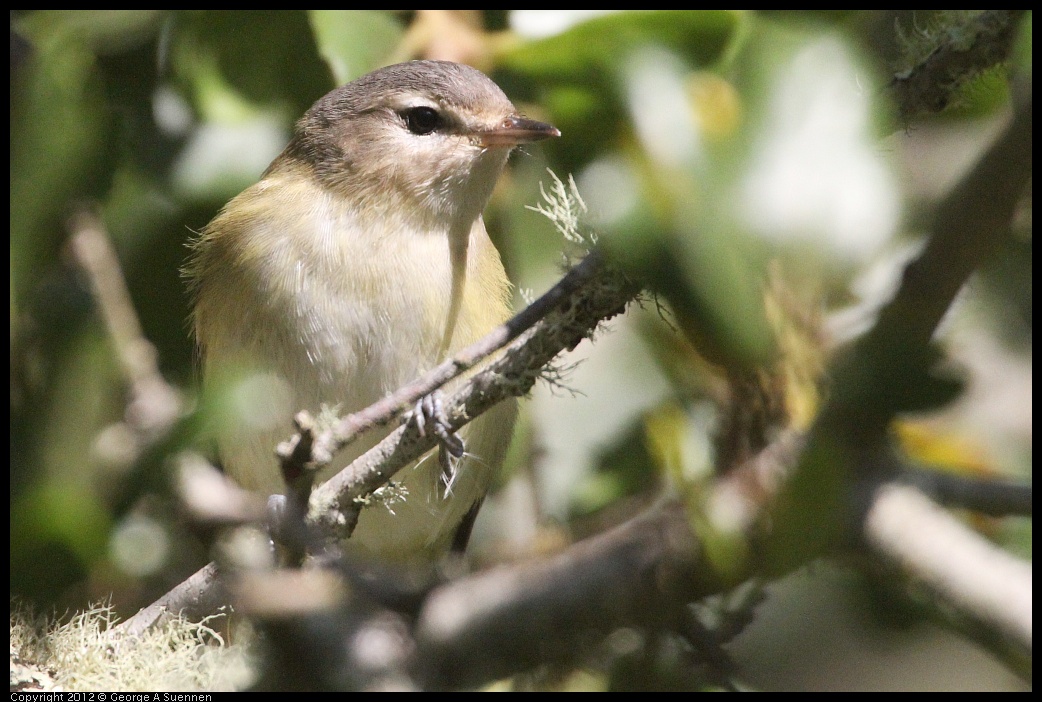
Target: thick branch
(975,577)
(492,624)
(509,619)
(871,382)
(979,44)
(971,225)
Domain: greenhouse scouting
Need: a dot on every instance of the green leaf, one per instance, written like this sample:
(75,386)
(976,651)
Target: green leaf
(590,49)
(354,42)
(59,135)
(575,75)
(807,518)
(268,58)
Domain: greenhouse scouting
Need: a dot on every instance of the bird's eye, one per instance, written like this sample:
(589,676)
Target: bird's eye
(422,120)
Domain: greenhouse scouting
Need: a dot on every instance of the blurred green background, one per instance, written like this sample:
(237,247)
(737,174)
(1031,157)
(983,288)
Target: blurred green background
(716,152)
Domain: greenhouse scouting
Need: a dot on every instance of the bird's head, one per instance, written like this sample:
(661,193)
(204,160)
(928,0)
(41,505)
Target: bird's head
(427,137)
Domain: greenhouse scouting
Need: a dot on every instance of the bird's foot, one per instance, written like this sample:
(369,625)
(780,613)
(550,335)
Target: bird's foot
(429,415)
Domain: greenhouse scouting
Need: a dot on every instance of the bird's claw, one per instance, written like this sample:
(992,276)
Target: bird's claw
(429,413)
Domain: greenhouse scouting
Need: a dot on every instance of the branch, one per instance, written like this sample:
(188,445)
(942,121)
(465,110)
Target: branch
(506,620)
(962,53)
(154,404)
(317,450)
(565,317)
(643,572)
(198,597)
(970,574)
(871,382)
(971,225)
(559,320)
(994,497)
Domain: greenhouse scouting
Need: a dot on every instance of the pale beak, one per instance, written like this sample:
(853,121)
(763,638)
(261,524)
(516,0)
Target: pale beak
(516,130)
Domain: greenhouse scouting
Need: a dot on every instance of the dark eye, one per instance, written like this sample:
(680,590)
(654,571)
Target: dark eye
(421,120)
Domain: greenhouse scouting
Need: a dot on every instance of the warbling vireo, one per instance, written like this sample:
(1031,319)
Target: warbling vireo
(359,261)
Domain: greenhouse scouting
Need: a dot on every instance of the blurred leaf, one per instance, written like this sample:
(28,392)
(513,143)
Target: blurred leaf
(354,42)
(624,469)
(590,50)
(59,511)
(808,519)
(718,299)
(57,515)
(249,76)
(1007,280)
(665,215)
(59,132)
(268,57)
(985,94)
(1022,49)
(698,262)
(941,448)
(828,16)
(924,392)
(895,376)
(577,71)
(103,31)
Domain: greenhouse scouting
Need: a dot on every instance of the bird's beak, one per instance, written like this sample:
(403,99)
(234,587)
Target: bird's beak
(516,130)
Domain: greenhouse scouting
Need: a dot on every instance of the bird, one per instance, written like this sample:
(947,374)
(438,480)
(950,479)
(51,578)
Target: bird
(358,261)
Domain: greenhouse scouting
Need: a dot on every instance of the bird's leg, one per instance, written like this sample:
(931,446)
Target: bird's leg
(429,413)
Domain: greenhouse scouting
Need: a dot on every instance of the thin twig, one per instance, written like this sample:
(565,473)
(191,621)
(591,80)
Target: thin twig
(555,322)
(995,497)
(154,404)
(562,319)
(316,449)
